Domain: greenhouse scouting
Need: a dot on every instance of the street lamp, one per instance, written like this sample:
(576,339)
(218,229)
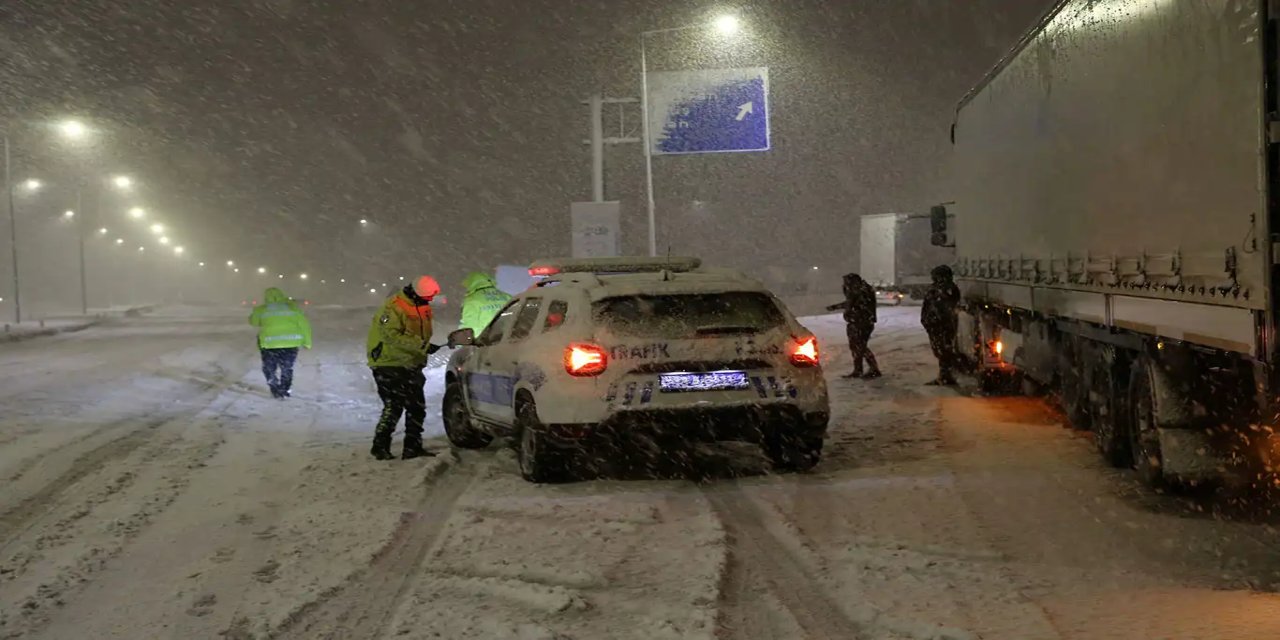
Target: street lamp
(303,276)
(72,129)
(164,239)
(119,240)
(262,269)
(237,269)
(31,184)
(725,25)
(68,214)
(200,264)
(122,182)
(137,213)
(102,231)
(231,263)
(364,222)
(177,251)
(157,228)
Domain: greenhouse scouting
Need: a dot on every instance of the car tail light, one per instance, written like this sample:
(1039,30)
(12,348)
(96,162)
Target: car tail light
(543,271)
(585,360)
(805,352)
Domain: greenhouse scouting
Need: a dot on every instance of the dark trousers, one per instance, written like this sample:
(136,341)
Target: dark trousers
(400,389)
(943,342)
(277,367)
(859,335)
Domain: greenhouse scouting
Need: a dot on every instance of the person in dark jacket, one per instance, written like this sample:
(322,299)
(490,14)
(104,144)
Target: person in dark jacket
(859,308)
(938,315)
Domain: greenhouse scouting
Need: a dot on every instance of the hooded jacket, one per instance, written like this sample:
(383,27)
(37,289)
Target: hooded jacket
(482,302)
(281,324)
(400,335)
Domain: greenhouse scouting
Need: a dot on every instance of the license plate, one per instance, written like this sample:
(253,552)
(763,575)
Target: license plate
(712,381)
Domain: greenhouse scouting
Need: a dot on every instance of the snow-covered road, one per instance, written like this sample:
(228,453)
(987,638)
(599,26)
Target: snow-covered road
(152,489)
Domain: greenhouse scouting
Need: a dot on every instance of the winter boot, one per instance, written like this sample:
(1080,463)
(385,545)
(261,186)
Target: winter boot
(382,447)
(873,374)
(413,449)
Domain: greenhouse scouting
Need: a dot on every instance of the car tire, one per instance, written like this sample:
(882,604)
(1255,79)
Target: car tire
(1107,413)
(537,463)
(789,452)
(457,420)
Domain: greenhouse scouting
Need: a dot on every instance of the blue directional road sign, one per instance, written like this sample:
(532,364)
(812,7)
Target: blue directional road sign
(709,111)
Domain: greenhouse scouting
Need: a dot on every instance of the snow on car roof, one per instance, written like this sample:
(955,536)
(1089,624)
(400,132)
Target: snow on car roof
(700,281)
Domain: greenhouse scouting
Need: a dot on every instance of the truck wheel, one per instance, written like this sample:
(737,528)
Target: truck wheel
(457,421)
(793,453)
(1106,413)
(537,462)
(1144,438)
(1073,392)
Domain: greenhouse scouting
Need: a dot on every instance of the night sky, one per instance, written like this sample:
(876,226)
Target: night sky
(264,130)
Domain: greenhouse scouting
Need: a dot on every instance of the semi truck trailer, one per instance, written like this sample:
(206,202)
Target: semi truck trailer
(895,254)
(1117,228)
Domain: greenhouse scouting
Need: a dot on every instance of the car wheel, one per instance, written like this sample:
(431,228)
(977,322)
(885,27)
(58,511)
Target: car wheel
(537,462)
(457,421)
(790,452)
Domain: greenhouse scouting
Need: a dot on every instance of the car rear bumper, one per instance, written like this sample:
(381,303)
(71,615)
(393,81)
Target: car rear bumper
(748,423)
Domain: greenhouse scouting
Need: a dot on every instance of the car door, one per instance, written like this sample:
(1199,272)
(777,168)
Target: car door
(484,388)
(504,362)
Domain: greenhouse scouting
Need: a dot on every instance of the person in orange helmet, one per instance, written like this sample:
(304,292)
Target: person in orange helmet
(397,347)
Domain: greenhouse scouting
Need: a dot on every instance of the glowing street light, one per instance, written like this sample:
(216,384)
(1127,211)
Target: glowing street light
(68,214)
(141,249)
(31,184)
(177,251)
(73,129)
(726,25)
(371,290)
(280,276)
(122,182)
(343,280)
(237,269)
(364,222)
(157,228)
(231,263)
(303,276)
(262,269)
(164,239)
(102,231)
(200,264)
(119,240)
(137,212)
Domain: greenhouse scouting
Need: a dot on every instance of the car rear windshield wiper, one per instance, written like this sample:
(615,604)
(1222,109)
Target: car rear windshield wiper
(725,329)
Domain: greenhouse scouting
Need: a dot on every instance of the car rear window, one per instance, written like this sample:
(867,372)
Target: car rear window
(688,315)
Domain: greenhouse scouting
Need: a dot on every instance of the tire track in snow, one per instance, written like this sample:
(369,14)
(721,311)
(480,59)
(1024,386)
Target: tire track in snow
(756,556)
(137,432)
(363,607)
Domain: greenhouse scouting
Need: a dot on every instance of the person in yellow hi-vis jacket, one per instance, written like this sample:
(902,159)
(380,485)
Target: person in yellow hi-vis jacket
(282,329)
(397,347)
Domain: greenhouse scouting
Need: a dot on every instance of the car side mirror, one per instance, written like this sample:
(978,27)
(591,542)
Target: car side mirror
(462,338)
(938,226)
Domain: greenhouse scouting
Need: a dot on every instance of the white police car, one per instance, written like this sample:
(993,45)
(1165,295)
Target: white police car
(606,352)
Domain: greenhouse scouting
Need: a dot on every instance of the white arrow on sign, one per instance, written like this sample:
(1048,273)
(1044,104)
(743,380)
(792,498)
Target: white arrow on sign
(745,109)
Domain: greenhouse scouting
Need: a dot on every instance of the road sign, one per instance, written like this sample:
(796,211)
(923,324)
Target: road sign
(709,110)
(596,229)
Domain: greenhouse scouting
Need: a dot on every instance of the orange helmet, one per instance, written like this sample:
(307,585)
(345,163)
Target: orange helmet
(426,287)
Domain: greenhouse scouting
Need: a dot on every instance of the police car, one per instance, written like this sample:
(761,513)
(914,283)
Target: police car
(603,353)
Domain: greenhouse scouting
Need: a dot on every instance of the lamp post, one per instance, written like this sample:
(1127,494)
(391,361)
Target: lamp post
(725,25)
(13,232)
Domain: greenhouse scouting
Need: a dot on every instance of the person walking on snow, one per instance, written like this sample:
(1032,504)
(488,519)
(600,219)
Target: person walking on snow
(282,328)
(938,315)
(860,321)
(397,347)
(483,301)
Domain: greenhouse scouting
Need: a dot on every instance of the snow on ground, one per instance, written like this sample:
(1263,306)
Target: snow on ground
(154,490)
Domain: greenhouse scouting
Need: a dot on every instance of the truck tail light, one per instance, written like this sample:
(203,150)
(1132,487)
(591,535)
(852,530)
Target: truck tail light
(582,359)
(805,352)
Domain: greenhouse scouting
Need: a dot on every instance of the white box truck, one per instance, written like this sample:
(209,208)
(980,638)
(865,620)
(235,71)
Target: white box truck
(895,254)
(1116,219)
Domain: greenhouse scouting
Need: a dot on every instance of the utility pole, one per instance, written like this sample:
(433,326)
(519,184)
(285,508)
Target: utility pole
(13,232)
(598,141)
